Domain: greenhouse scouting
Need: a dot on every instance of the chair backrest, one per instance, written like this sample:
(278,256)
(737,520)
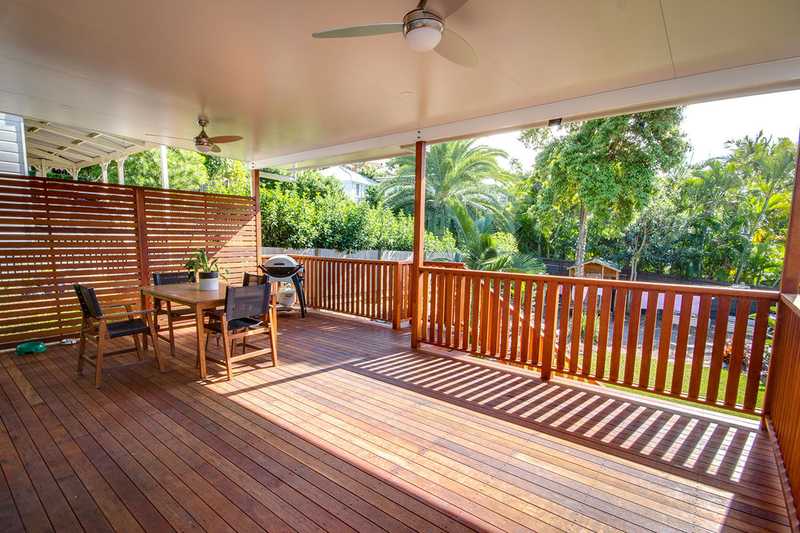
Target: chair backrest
(247,302)
(253,279)
(170,278)
(90,307)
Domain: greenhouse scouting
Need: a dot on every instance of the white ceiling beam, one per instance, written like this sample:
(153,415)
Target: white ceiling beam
(740,81)
(62,148)
(57,161)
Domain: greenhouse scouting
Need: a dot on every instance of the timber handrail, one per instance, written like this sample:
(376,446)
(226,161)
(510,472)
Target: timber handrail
(697,343)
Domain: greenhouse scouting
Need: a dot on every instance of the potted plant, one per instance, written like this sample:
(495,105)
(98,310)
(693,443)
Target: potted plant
(205,269)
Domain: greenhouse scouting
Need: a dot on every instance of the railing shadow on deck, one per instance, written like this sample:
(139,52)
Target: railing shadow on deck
(709,448)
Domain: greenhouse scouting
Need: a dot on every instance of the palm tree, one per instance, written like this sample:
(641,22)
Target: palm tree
(480,249)
(459,173)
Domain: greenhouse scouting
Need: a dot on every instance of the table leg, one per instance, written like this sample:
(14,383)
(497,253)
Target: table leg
(143,298)
(201,346)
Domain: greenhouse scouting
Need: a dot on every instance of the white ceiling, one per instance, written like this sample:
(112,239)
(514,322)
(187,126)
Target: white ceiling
(150,66)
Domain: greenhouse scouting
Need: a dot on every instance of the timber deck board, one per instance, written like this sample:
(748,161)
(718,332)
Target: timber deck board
(353,431)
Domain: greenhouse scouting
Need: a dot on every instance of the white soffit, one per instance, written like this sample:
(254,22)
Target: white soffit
(133,68)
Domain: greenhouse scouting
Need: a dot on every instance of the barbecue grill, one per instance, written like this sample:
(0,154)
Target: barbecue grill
(284,269)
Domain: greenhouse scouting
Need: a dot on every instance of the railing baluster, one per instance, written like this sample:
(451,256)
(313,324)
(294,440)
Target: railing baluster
(664,341)
(602,335)
(616,340)
(588,338)
(635,315)
(475,313)
(737,351)
(485,325)
(563,325)
(756,354)
(682,344)
(536,337)
(718,349)
(577,322)
(515,319)
(700,341)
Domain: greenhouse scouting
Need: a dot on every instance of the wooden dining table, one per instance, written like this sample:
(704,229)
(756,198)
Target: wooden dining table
(190,295)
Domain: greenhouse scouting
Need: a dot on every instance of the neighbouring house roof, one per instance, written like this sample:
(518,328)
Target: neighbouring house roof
(598,261)
(345,174)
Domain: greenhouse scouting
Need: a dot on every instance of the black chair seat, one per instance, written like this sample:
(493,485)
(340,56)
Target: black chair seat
(127,327)
(236,324)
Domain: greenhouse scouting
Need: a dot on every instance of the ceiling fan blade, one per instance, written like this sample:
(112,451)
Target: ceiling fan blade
(168,137)
(360,31)
(216,149)
(445,8)
(225,139)
(454,48)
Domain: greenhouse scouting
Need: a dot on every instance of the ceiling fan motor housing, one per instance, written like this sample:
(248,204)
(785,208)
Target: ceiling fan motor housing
(428,21)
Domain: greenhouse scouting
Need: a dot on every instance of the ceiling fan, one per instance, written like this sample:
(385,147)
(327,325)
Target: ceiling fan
(202,142)
(423,30)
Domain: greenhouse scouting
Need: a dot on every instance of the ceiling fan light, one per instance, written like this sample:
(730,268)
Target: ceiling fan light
(424,38)
(204,148)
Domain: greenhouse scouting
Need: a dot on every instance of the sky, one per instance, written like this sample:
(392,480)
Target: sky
(707,126)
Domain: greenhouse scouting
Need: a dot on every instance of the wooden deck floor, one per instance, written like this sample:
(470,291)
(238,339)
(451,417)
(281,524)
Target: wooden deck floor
(355,432)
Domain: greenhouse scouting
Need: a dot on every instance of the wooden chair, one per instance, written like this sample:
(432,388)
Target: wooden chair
(248,312)
(182,316)
(98,328)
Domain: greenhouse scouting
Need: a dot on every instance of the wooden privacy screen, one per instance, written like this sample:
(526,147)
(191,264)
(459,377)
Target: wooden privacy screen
(704,344)
(54,233)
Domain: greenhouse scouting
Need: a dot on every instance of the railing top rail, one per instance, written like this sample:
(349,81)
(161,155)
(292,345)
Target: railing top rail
(641,285)
(348,260)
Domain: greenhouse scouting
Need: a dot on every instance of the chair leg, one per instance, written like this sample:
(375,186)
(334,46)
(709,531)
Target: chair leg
(98,362)
(81,351)
(228,348)
(138,343)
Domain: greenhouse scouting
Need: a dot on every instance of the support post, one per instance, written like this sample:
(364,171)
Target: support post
(104,171)
(164,168)
(255,192)
(790,280)
(418,256)
(73,171)
(121,170)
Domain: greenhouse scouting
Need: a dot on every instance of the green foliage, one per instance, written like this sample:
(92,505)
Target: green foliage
(188,171)
(602,170)
(313,212)
(459,173)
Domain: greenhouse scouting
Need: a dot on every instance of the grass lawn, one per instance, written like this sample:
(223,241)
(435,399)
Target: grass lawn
(685,387)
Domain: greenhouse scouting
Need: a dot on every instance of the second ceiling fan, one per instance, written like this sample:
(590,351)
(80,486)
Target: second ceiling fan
(423,28)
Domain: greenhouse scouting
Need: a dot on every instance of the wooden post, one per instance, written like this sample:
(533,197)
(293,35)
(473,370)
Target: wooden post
(418,257)
(255,192)
(790,279)
(397,294)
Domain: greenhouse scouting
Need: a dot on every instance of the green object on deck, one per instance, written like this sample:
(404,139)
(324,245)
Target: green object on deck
(31,347)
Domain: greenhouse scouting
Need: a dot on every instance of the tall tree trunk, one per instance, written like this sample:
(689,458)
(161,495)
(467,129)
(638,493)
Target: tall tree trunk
(580,249)
(637,256)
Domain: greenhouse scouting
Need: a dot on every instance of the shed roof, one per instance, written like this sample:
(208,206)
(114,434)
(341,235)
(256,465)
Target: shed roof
(598,261)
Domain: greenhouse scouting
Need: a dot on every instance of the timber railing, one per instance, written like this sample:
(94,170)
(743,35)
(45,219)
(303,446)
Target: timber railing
(697,343)
(783,395)
(373,289)
(54,233)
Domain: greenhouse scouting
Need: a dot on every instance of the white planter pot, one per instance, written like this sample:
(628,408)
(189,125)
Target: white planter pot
(209,281)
